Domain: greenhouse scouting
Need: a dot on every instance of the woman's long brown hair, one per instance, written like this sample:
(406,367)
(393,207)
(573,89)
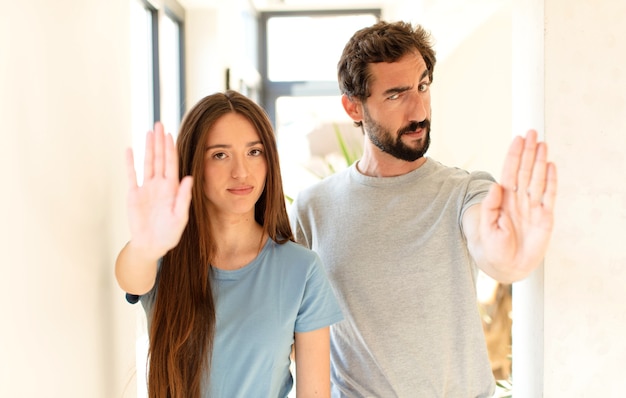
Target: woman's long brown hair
(183,317)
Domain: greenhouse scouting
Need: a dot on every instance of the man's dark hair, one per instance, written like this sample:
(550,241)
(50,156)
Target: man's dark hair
(381,42)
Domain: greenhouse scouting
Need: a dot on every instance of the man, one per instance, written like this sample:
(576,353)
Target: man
(403,236)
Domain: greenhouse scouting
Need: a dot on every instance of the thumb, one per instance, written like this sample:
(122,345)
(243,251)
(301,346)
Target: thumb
(491,207)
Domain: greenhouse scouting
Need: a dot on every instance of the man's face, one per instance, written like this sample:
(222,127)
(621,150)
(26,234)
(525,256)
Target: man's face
(397,114)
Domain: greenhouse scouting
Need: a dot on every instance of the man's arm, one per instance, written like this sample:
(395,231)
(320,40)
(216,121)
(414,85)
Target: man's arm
(508,233)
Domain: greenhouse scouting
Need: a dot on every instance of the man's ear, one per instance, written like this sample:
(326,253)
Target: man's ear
(353,108)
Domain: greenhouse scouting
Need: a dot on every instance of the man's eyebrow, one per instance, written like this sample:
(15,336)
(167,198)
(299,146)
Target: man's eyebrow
(396,90)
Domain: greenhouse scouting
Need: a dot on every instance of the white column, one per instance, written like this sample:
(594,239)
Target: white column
(570,316)
(528,112)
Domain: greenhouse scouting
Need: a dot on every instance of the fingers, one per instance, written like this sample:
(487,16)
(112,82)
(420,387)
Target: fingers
(148,159)
(537,184)
(158,154)
(549,196)
(511,165)
(159,150)
(171,158)
(527,162)
(527,172)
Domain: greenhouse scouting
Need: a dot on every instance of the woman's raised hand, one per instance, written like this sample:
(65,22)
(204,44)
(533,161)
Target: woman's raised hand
(158,209)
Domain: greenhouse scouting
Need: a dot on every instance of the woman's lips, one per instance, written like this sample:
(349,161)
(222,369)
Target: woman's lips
(243,190)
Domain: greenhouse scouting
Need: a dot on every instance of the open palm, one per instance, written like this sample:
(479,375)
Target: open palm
(158,209)
(518,214)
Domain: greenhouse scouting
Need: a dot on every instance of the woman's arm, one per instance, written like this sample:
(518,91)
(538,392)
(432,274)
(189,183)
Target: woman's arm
(312,353)
(158,211)
(135,270)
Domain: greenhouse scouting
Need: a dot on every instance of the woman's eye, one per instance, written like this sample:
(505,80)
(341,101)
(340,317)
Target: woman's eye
(219,155)
(256,152)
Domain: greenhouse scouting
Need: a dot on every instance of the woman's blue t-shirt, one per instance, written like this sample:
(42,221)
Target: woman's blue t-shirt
(259,307)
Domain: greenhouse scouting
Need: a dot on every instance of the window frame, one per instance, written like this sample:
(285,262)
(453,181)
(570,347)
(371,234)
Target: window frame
(272,90)
(175,16)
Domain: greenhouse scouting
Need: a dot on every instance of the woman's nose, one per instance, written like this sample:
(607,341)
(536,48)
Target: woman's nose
(240,168)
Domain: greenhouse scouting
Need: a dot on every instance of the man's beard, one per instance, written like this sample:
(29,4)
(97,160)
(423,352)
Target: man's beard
(386,142)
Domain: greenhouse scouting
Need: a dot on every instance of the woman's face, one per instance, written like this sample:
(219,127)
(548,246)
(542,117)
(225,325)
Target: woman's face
(235,168)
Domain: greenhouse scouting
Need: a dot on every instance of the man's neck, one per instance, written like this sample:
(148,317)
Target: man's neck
(376,163)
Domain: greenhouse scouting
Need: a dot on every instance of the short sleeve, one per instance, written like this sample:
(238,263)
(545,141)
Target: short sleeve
(477,189)
(319,307)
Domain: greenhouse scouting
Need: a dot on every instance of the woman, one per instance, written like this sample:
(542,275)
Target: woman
(226,291)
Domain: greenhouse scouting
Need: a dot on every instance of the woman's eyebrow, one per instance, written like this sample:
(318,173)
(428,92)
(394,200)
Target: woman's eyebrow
(251,143)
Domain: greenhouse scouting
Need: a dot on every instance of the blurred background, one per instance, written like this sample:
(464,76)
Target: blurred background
(81,80)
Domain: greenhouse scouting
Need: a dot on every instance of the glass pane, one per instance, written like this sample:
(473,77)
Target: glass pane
(170,75)
(307,142)
(308,47)
(142,90)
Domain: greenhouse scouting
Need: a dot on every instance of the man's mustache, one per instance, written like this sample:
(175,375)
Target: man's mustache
(413,126)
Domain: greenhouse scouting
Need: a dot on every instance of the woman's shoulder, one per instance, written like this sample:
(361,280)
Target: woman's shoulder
(291,253)
(294,249)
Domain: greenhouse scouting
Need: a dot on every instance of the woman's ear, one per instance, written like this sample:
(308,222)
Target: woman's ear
(353,108)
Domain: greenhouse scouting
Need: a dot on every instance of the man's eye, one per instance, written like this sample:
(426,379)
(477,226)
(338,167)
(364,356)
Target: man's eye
(394,97)
(423,87)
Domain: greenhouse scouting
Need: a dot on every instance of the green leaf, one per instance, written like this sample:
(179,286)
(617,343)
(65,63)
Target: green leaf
(349,156)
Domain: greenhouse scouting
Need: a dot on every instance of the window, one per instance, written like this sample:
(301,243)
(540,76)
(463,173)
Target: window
(307,47)
(299,55)
(157,80)
(144,70)
(172,84)
(300,50)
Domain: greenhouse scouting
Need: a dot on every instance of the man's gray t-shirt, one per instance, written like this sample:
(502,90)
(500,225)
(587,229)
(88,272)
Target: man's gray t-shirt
(398,261)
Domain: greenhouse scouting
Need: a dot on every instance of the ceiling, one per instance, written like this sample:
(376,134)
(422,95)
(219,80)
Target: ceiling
(293,4)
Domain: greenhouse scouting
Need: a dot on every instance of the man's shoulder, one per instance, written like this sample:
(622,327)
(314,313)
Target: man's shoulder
(438,168)
(326,186)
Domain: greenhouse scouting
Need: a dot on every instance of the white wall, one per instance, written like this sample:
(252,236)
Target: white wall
(65,116)
(570,341)
(216,39)
(471,90)
(585,272)
(205,67)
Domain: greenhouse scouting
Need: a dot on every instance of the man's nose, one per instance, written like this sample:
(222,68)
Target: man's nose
(419,107)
